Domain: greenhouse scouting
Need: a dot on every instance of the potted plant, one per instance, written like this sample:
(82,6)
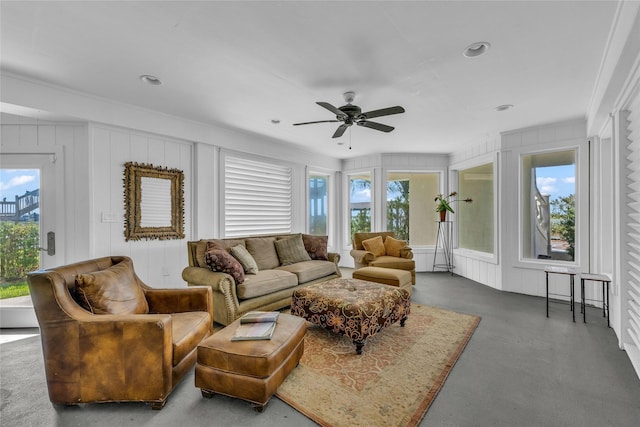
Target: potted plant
(444,203)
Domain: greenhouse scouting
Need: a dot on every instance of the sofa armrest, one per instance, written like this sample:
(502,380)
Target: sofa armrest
(406,253)
(197,298)
(226,307)
(361,256)
(334,257)
(199,276)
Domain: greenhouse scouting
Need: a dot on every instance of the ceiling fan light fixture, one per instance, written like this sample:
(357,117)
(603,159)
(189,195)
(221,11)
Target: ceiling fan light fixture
(476,49)
(152,80)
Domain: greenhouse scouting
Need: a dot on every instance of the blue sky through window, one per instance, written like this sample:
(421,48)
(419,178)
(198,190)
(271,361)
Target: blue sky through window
(556,181)
(15,182)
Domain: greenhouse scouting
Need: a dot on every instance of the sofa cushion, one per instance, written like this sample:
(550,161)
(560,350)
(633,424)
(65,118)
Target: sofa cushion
(243,256)
(187,330)
(316,246)
(307,271)
(113,290)
(291,250)
(219,259)
(393,262)
(265,282)
(201,248)
(392,246)
(263,251)
(375,245)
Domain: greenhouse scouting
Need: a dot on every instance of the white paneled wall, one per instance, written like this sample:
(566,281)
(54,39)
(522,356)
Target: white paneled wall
(69,141)
(158,262)
(527,276)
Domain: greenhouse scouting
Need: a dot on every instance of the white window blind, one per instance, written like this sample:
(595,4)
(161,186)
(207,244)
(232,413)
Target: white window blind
(258,198)
(632,264)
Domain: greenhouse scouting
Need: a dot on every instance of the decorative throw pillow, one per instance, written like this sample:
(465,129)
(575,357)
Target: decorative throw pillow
(219,259)
(316,246)
(263,251)
(291,250)
(392,246)
(113,290)
(243,256)
(375,245)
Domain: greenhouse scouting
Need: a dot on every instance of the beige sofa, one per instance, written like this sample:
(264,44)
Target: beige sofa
(269,289)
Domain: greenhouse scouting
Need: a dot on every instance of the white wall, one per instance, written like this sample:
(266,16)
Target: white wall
(69,142)
(527,275)
(477,266)
(158,262)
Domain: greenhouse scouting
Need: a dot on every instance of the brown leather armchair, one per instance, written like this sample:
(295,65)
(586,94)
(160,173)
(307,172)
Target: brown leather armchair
(116,357)
(364,258)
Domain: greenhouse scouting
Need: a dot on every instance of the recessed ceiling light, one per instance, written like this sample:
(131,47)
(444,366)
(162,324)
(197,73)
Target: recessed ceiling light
(152,80)
(504,107)
(476,49)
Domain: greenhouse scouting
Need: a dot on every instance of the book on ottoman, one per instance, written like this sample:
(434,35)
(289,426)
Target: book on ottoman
(254,331)
(260,317)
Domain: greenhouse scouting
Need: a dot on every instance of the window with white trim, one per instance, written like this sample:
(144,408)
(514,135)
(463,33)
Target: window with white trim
(257,198)
(318,203)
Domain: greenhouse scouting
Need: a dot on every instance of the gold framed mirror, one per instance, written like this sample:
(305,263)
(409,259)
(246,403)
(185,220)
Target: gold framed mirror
(154,202)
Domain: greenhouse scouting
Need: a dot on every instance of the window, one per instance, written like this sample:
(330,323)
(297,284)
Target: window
(258,198)
(476,219)
(318,198)
(359,203)
(410,208)
(549,205)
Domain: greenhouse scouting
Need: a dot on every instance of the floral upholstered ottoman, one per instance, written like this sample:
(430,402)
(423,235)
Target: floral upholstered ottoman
(355,308)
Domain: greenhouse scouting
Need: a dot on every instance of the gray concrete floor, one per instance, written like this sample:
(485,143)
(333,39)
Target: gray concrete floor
(520,368)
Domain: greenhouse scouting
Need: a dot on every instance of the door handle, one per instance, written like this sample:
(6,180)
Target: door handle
(51,244)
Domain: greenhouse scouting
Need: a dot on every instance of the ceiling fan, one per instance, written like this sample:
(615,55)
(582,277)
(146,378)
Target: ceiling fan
(350,114)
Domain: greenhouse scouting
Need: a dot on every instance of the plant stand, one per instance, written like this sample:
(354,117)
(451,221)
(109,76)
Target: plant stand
(443,244)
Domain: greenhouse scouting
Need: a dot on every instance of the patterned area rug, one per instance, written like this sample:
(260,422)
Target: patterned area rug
(392,383)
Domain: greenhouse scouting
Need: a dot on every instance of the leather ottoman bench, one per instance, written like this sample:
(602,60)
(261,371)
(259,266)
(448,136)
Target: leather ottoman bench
(355,308)
(386,276)
(250,370)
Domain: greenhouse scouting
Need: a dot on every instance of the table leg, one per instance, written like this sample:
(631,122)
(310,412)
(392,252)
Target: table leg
(547,293)
(573,311)
(583,303)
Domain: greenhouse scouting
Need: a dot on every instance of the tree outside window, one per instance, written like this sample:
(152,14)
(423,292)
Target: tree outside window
(549,205)
(410,210)
(359,203)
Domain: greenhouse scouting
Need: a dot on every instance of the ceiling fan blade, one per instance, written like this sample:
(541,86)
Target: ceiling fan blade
(338,133)
(375,125)
(333,109)
(319,121)
(383,112)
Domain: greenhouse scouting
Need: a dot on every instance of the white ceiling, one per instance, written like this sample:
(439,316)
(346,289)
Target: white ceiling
(242,64)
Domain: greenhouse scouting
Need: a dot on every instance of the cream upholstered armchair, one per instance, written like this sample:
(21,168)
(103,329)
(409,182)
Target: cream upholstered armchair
(108,337)
(382,249)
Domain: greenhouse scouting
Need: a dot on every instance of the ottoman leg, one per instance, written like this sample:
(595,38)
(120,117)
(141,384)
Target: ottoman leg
(359,346)
(404,319)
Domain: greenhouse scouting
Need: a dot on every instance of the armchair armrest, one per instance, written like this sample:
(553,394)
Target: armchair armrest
(100,355)
(406,253)
(197,298)
(360,256)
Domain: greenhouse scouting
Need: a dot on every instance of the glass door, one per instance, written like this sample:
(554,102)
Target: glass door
(27,231)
